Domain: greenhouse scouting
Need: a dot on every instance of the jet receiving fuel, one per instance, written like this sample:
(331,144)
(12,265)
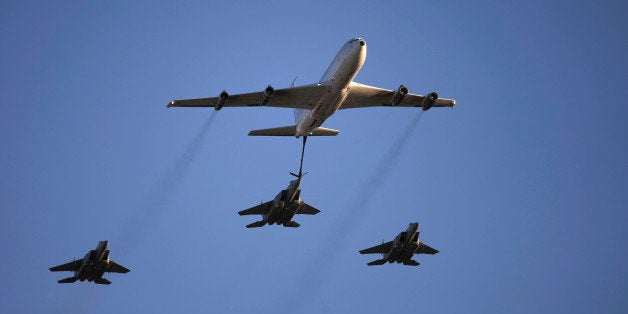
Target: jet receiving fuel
(314,103)
(285,205)
(402,248)
(92,266)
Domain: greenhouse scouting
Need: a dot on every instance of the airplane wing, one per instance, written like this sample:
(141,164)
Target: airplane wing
(425,249)
(71,266)
(116,268)
(261,209)
(382,248)
(302,97)
(361,95)
(306,209)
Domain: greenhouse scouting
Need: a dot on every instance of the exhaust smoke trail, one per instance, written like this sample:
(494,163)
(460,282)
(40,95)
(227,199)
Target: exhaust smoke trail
(159,195)
(352,215)
(368,190)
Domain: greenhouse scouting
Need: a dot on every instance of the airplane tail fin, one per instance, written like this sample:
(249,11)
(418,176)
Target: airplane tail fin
(68,280)
(256,224)
(102,281)
(300,115)
(377,262)
(411,263)
(291,224)
(291,130)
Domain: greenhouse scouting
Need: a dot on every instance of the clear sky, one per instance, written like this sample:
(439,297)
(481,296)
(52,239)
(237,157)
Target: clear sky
(522,186)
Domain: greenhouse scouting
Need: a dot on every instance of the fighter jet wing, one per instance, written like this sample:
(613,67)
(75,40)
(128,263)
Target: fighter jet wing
(261,209)
(71,266)
(306,209)
(302,97)
(382,248)
(361,95)
(116,268)
(425,249)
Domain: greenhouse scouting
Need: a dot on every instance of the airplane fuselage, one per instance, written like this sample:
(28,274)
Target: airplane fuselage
(336,80)
(404,245)
(285,204)
(94,263)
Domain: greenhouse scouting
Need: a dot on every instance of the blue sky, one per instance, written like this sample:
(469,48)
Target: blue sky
(521,186)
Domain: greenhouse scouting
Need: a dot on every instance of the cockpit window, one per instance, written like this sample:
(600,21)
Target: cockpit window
(357,39)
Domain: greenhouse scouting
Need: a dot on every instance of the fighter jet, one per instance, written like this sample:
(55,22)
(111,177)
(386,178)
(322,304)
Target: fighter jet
(92,266)
(285,205)
(315,103)
(401,250)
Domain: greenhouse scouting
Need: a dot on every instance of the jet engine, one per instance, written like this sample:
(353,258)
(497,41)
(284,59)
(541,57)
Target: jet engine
(268,92)
(428,100)
(278,204)
(399,94)
(278,201)
(222,99)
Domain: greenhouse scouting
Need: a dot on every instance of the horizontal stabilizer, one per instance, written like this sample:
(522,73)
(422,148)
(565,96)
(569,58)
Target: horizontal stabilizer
(68,280)
(102,281)
(291,224)
(411,263)
(324,132)
(256,224)
(292,131)
(377,262)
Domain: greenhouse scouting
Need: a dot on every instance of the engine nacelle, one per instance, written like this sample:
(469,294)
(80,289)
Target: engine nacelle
(278,201)
(268,93)
(429,100)
(399,94)
(222,99)
(279,204)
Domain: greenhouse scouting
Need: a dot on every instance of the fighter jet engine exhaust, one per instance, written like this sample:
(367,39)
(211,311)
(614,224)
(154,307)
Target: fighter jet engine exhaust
(353,214)
(161,193)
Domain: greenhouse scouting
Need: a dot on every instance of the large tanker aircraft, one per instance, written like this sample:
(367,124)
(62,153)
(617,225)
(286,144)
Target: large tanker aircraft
(315,103)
